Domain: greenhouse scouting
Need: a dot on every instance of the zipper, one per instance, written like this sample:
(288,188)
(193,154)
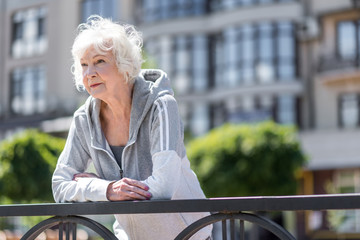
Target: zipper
(121,171)
(122,159)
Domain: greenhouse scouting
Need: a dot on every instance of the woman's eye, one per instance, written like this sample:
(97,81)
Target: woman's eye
(83,64)
(100,61)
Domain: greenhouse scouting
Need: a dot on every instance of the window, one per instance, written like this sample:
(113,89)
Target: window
(104,8)
(151,10)
(185,58)
(348,39)
(262,53)
(346,181)
(200,63)
(29,33)
(190,68)
(218,114)
(265,70)
(28,90)
(276,52)
(185,113)
(266,1)
(349,110)
(266,103)
(166,8)
(250,109)
(216,5)
(184,8)
(182,64)
(232,61)
(247,45)
(286,51)
(218,59)
(346,221)
(286,109)
(200,119)
(154,10)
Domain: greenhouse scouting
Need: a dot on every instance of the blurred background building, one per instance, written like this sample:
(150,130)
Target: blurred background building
(291,61)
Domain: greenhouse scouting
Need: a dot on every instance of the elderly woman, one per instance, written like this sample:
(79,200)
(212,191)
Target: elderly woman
(130,129)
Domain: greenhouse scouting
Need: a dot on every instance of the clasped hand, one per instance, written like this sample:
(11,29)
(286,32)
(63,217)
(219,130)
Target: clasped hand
(123,189)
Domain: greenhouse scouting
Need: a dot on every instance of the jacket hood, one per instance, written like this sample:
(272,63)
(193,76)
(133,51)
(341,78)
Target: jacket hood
(149,85)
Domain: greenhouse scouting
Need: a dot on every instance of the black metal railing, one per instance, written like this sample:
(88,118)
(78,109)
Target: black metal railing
(224,210)
(334,62)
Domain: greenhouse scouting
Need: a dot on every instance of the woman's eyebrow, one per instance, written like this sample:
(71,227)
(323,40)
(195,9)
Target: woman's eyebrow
(99,55)
(95,56)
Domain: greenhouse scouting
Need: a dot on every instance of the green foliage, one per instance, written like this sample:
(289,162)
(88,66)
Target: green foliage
(149,63)
(27,162)
(247,160)
(337,218)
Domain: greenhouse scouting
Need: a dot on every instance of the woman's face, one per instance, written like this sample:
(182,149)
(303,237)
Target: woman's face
(101,77)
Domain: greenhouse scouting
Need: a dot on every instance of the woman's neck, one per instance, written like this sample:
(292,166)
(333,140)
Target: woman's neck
(115,118)
(117,107)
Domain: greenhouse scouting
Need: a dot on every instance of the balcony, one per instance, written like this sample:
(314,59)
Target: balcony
(334,62)
(334,71)
(232,213)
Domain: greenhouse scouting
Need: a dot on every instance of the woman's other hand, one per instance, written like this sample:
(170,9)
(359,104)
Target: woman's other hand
(84,175)
(127,189)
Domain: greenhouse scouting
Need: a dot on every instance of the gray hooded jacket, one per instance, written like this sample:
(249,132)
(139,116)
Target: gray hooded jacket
(155,154)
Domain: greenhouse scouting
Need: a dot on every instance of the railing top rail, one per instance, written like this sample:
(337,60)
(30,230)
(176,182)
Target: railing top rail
(229,204)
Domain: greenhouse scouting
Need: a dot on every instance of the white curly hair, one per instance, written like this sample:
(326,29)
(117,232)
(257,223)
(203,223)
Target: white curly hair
(104,35)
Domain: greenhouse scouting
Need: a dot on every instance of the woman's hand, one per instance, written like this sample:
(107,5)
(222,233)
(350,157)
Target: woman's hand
(84,175)
(127,189)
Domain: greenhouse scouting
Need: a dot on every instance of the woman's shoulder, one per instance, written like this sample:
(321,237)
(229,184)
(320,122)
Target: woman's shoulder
(166,99)
(85,109)
(166,104)
(80,111)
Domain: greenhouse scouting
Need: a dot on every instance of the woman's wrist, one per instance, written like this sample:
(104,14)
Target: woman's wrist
(109,191)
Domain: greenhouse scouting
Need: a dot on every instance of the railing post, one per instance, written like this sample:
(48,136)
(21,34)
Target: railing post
(242,230)
(224,230)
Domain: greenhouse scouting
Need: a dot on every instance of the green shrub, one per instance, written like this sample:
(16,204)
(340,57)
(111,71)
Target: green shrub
(27,162)
(247,160)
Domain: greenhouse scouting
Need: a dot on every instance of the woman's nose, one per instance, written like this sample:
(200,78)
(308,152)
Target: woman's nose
(90,72)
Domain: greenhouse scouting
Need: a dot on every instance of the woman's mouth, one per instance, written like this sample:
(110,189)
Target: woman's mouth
(94,85)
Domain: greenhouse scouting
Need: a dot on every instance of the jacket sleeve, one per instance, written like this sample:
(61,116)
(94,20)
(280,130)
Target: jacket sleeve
(167,150)
(75,159)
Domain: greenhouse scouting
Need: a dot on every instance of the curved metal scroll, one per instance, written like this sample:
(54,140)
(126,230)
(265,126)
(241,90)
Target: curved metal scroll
(51,222)
(265,223)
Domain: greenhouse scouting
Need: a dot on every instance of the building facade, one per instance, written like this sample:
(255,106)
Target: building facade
(35,79)
(291,61)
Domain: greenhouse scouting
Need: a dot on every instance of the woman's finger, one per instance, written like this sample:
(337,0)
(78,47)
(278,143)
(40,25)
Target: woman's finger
(139,191)
(136,183)
(130,195)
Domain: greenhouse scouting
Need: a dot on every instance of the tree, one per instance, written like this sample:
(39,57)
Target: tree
(27,162)
(247,160)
